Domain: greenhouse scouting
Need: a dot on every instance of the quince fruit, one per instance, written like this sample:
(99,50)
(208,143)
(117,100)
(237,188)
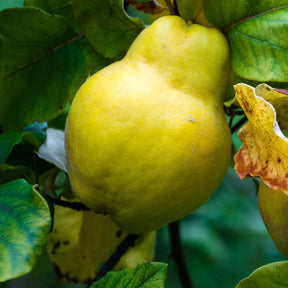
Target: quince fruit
(147,139)
(273,206)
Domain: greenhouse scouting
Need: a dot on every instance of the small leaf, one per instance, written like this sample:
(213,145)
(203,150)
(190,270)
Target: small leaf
(259,48)
(25,223)
(7,141)
(264,149)
(279,99)
(33,134)
(108,28)
(82,240)
(11,172)
(274,275)
(53,149)
(189,9)
(43,57)
(144,275)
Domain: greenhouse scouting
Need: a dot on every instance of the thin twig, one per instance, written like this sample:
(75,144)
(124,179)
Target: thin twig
(177,253)
(128,241)
(73,205)
(238,124)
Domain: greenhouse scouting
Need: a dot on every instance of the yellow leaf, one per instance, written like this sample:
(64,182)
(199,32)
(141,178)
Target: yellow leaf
(278,100)
(264,149)
(81,241)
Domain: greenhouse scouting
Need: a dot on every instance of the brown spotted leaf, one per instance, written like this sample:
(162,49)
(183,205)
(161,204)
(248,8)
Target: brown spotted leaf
(82,240)
(264,149)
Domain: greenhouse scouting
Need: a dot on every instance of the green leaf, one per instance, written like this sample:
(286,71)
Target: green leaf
(10,4)
(223,13)
(144,275)
(108,28)
(42,60)
(24,225)
(1,57)
(38,130)
(93,63)
(259,46)
(33,134)
(7,141)
(56,7)
(188,9)
(274,275)
(11,172)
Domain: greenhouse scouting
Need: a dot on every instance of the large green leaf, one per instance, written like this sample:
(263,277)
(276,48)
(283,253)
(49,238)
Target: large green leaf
(108,28)
(259,46)
(274,275)
(24,225)
(145,275)
(257,33)
(55,7)
(223,13)
(1,57)
(93,60)
(42,60)
(93,63)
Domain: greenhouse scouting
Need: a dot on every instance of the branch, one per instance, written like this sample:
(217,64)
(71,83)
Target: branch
(238,124)
(170,7)
(73,205)
(177,254)
(127,242)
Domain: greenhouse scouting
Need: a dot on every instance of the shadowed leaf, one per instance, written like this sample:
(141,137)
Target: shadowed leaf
(108,28)
(42,58)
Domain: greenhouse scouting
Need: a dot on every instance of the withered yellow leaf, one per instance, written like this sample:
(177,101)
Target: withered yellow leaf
(264,149)
(82,240)
(279,99)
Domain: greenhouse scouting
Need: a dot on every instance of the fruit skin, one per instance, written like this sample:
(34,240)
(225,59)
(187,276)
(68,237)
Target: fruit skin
(147,140)
(273,206)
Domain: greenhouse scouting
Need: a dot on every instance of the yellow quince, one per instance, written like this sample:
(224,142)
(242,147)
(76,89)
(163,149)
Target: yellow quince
(273,206)
(147,139)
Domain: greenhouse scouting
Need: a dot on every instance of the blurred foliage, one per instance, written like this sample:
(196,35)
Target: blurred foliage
(224,241)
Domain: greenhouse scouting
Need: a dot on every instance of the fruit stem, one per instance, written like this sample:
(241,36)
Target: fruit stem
(170,7)
(127,242)
(177,254)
